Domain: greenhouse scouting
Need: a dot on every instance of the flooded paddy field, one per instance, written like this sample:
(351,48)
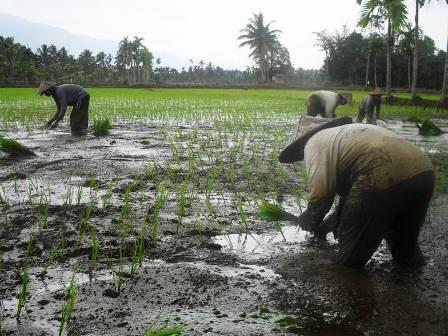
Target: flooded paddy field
(154,227)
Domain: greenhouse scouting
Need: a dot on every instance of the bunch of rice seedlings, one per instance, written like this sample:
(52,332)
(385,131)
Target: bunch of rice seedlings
(274,213)
(13,148)
(427,128)
(101,126)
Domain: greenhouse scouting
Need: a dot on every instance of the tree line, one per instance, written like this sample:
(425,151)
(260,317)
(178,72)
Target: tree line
(352,58)
(390,41)
(133,64)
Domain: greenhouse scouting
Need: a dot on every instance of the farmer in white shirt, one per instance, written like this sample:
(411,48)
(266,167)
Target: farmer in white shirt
(384,184)
(324,103)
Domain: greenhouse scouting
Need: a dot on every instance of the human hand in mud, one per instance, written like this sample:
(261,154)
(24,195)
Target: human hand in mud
(308,222)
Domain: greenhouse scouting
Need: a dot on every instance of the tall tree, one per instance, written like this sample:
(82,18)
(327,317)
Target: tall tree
(260,39)
(445,75)
(406,46)
(394,13)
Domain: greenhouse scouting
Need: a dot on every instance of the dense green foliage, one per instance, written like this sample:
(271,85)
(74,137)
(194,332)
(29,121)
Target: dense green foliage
(133,64)
(347,55)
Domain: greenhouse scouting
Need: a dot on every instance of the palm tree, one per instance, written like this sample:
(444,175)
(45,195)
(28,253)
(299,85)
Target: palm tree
(261,39)
(418,4)
(377,11)
(445,76)
(123,58)
(407,47)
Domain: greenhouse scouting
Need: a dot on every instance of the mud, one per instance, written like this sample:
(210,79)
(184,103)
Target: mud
(214,274)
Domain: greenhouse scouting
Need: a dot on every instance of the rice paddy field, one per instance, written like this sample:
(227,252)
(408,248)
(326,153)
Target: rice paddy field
(152,228)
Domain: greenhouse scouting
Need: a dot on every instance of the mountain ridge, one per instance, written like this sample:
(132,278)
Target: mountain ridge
(33,35)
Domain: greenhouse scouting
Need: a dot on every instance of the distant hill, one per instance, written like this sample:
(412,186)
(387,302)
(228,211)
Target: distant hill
(33,35)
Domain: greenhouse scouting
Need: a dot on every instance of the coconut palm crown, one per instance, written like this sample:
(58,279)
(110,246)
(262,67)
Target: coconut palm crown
(261,40)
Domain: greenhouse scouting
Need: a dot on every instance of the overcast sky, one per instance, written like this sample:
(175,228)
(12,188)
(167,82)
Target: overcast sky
(208,29)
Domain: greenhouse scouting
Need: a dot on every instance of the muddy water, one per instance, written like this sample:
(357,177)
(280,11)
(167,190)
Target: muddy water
(211,274)
(409,131)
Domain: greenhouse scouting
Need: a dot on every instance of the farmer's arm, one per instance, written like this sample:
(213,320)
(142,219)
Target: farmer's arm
(322,185)
(61,105)
(54,118)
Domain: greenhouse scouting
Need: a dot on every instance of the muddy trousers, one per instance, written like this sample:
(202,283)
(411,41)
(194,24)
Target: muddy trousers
(395,214)
(79,117)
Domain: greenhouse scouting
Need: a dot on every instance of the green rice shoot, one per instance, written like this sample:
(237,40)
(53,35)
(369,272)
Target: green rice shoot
(101,126)
(273,213)
(12,147)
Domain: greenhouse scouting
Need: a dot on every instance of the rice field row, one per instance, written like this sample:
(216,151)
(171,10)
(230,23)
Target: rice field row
(23,108)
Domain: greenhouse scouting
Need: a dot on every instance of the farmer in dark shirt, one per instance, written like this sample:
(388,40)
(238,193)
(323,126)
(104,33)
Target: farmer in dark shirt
(68,95)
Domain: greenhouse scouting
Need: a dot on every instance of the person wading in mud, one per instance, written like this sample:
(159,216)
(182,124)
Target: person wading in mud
(68,95)
(384,184)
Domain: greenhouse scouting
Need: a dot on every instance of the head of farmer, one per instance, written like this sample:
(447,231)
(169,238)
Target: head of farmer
(68,95)
(384,184)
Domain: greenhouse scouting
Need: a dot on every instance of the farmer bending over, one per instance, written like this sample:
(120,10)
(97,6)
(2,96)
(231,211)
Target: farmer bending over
(68,95)
(384,184)
(369,105)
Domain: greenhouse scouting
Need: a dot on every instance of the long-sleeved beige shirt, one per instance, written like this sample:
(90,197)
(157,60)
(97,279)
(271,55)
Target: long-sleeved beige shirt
(368,155)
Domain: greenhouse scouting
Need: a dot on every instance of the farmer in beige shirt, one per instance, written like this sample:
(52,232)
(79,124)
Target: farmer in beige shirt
(384,184)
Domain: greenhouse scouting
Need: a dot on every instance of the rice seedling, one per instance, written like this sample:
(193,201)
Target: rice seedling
(181,202)
(161,197)
(428,128)
(93,182)
(245,169)
(136,256)
(79,195)
(67,201)
(274,213)
(69,304)
(84,223)
(53,252)
(209,182)
(108,195)
(101,126)
(23,292)
(151,171)
(118,275)
(61,245)
(125,217)
(94,252)
(14,148)
(243,216)
(42,216)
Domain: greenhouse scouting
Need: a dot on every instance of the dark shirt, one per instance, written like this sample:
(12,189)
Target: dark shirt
(67,95)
